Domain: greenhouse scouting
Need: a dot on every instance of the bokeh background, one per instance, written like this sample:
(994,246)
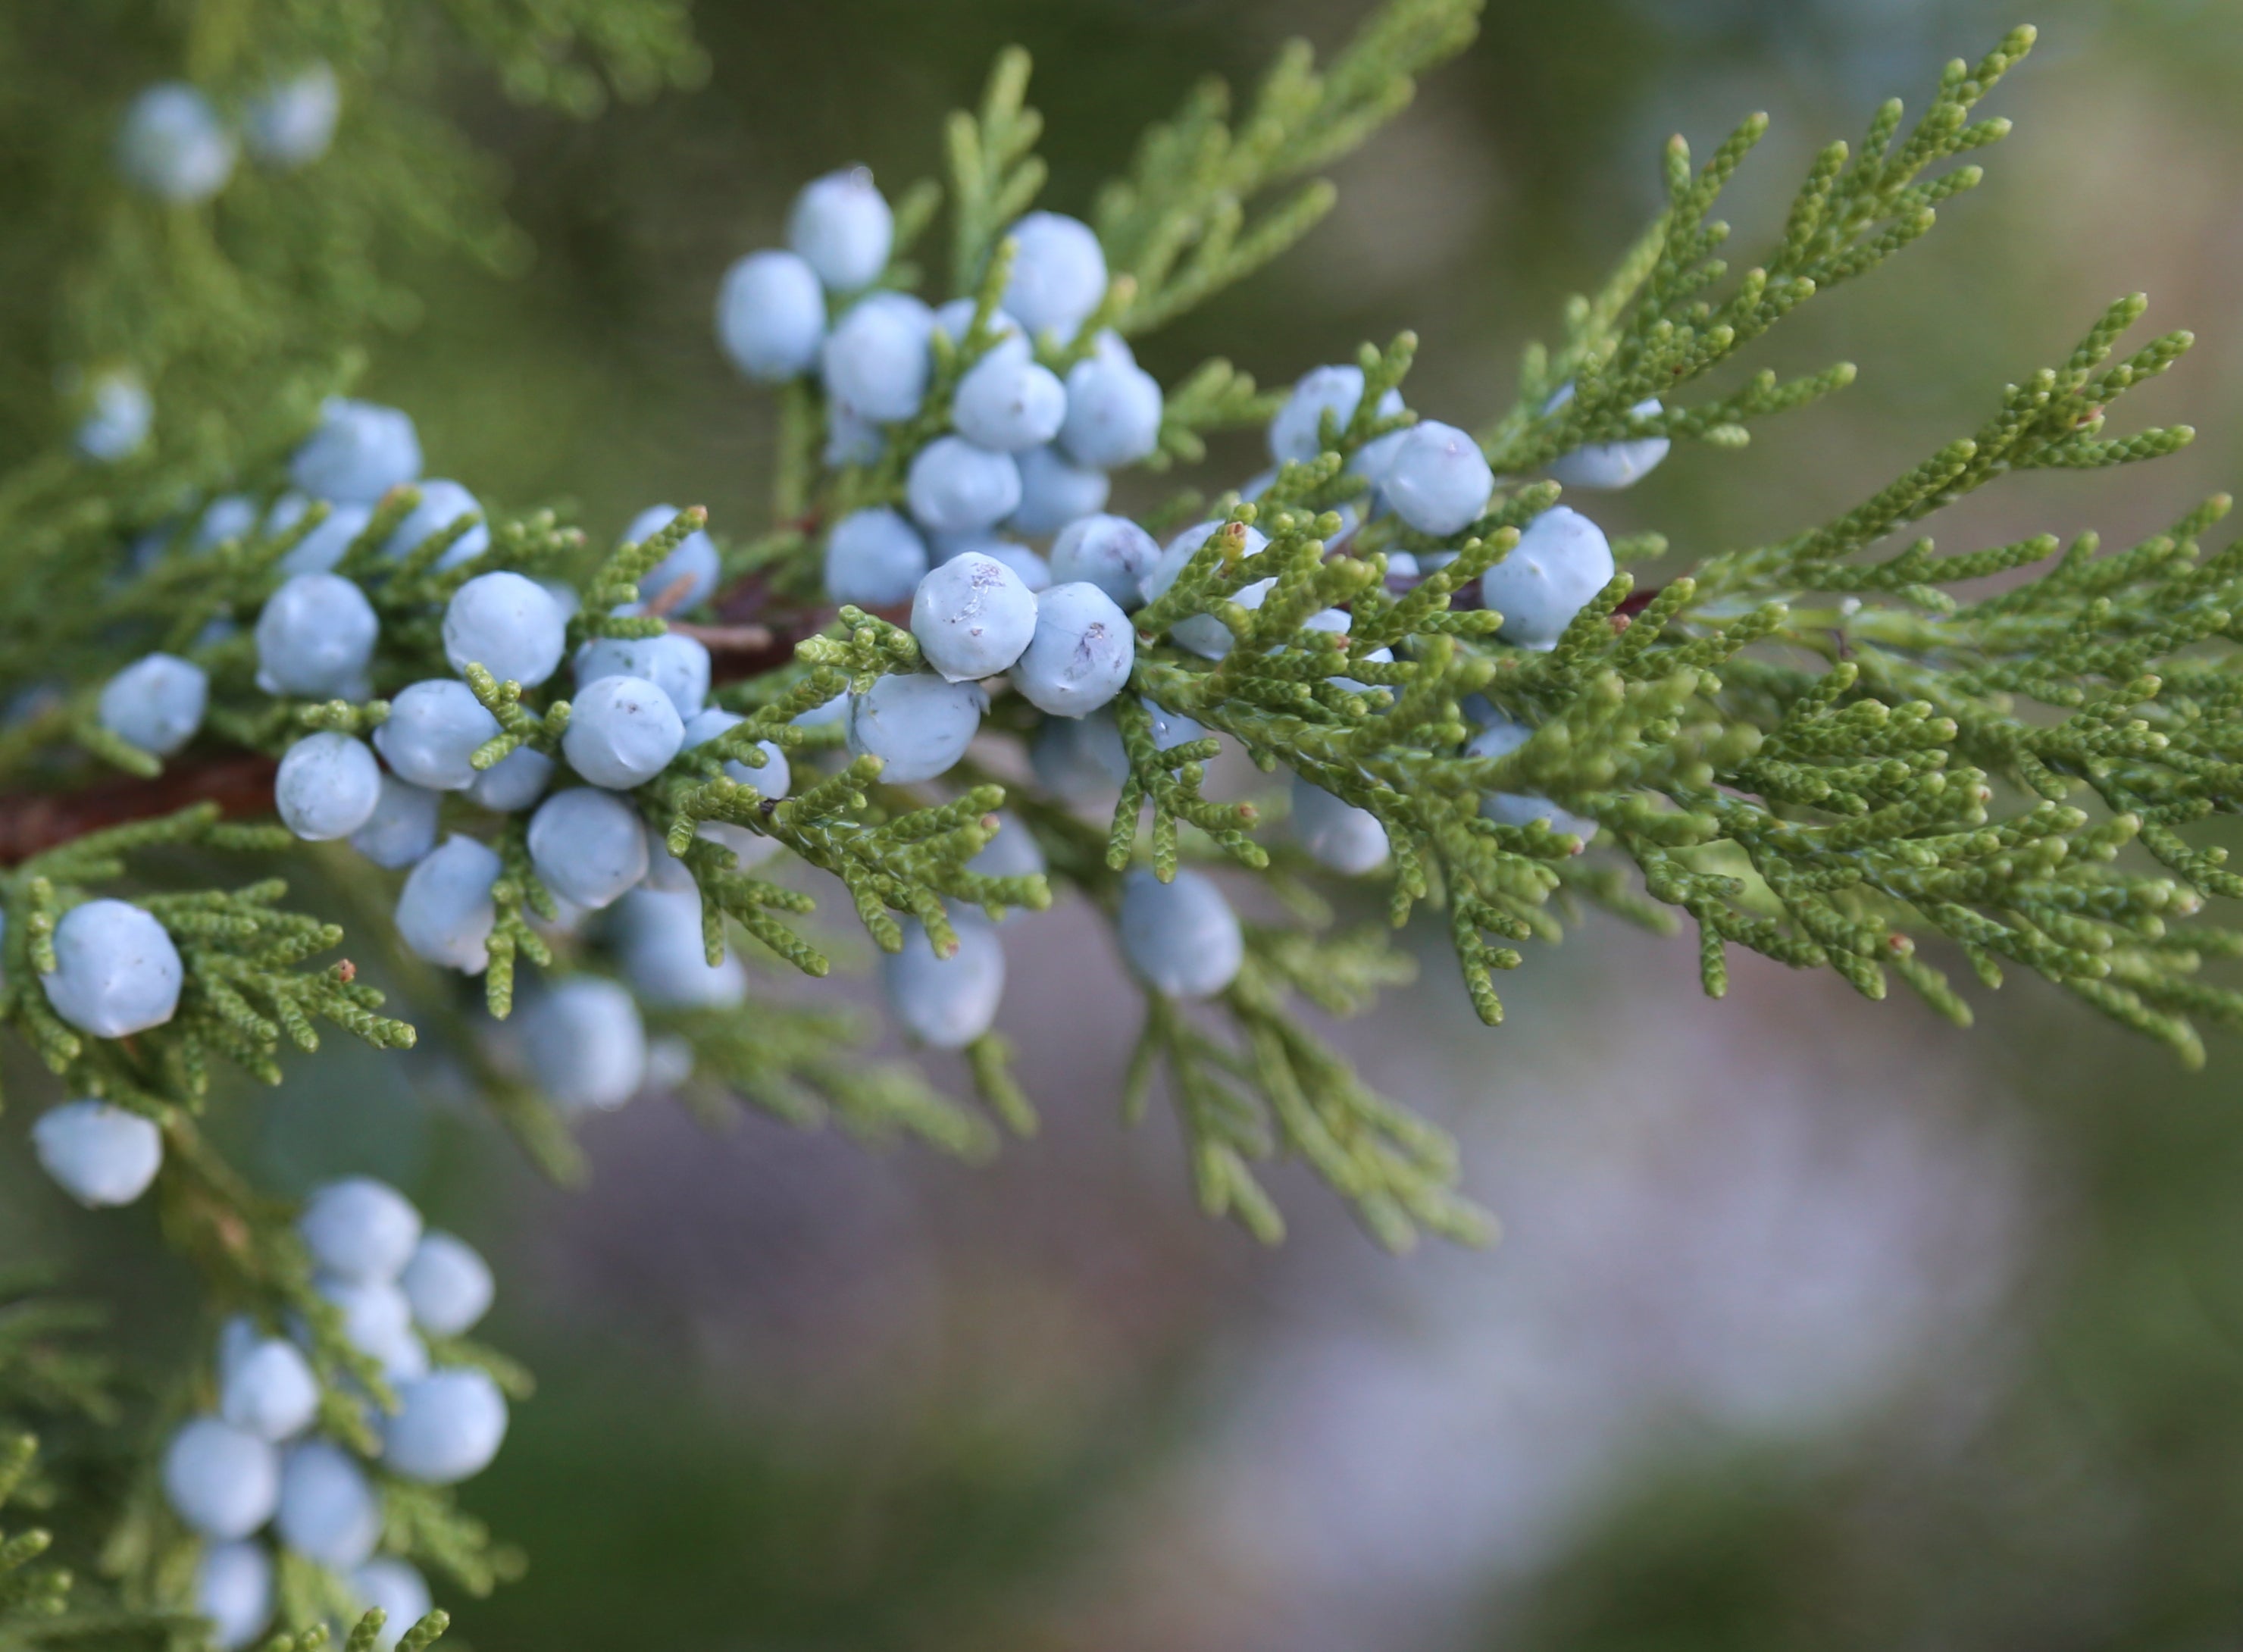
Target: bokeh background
(1816,1322)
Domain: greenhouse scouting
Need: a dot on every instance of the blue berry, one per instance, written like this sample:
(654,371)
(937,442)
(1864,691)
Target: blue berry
(841,226)
(231,515)
(1203,634)
(874,558)
(508,625)
(659,939)
(1113,413)
(378,1322)
(328,787)
(119,414)
(665,870)
(1034,572)
(622,731)
(957,488)
(359,453)
(588,846)
(675,664)
(1181,938)
(1500,739)
(448,1425)
(220,1481)
(1081,653)
(399,1591)
(874,362)
(233,1589)
(1608,464)
(513,783)
(268,1390)
(1110,552)
(315,638)
(685,579)
(449,1284)
(771,316)
(445,911)
(443,504)
(972,617)
(1371,462)
(916,723)
(945,1003)
(1296,435)
(772,779)
(851,439)
(99,1154)
(1558,567)
(1080,759)
(325,543)
(1055,491)
(1438,480)
(1059,273)
(155,703)
(433,729)
(360,1229)
(587,1045)
(173,145)
(1008,402)
(290,123)
(1335,832)
(955,319)
(328,1512)
(1013,853)
(117,971)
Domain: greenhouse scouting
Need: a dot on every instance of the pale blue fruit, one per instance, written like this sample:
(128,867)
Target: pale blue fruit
(268,1390)
(1008,402)
(443,504)
(955,319)
(1500,739)
(874,361)
(841,226)
(290,123)
(1110,552)
(1296,433)
(773,779)
(119,415)
(233,1589)
(99,1154)
(852,439)
(231,515)
(1335,832)
(954,487)
(449,1284)
(173,145)
(1557,569)
(434,728)
(328,788)
(359,453)
(1608,464)
(513,783)
(1081,653)
(1012,854)
(687,577)
(378,1321)
(315,638)
(622,731)
(508,625)
(675,664)
(1113,413)
(588,846)
(1203,634)
(155,703)
(658,938)
(402,827)
(771,316)
(1181,938)
(360,1229)
(945,1003)
(587,1045)
(917,723)
(326,543)
(222,1482)
(972,617)
(445,912)
(1059,273)
(874,558)
(1034,572)
(1080,759)
(115,970)
(448,1426)
(1438,480)
(398,1591)
(1054,492)
(328,1512)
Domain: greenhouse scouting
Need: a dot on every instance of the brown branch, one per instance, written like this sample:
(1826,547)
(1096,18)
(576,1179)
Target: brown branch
(32,823)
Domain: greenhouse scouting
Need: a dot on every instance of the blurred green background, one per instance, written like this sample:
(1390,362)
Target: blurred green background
(1816,1323)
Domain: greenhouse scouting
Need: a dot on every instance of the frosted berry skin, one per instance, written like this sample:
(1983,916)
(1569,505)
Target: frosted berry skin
(1203,634)
(315,638)
(290,123)
(359,453)
(675,664)
(155,703)
(445,912)
(508,625)
(513,783)
(360,1229)
(1110,552)
(972,617)
(402,827)
(1059,273)
(622,731)
(328,787)
(917,723)
(433,730)
(119,413)
(268,1390)
(117,971)
(1438,480)
(587,1045)
(449,1284)
(945,1003)
(841,226)
(401,1592)
(588,846)
(851,439)
(874,558)
(99,1154)
(1113,413)
(327,544)
(1296,435)
(1008,402)
(771,316)
(1081,759)
(1500,739)
(1557,568)
(448,1426)
(1012,854)
(442,503)
(1605,465)
(956,488)
(658,937)
(378,1322)
(230,515)
(220,1481)
(1335,832)
(172,146)
(328,1512)
(1181,938)
(1080,654)
(1054,492)
(773,779)
(874,361)
(233,1589)
(689,572)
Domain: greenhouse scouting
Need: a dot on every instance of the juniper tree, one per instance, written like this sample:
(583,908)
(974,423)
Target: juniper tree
(235,596)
